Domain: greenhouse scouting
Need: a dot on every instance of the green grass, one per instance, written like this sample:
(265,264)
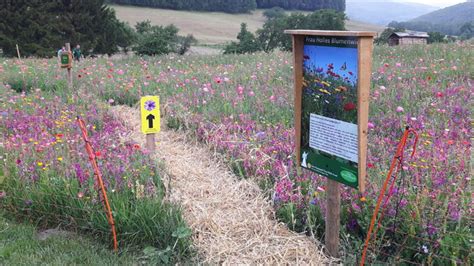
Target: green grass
(19,245)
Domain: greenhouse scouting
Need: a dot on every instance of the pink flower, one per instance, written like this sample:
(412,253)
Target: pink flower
(400,109)
(398,64)
(251,93)
(240,90)
(370,125)
(120,72)
(272,98)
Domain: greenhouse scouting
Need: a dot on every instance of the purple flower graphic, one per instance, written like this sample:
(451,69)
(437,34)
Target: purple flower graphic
(150,105)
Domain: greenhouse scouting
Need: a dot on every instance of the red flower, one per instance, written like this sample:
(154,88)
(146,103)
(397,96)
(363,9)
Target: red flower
(370,165)
(136,146)
(439,94)
(98,154)
(349,106)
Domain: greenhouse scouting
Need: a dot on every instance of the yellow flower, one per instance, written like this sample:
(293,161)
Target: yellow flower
(40,164)
(60,158)
(324,91)
(363,199)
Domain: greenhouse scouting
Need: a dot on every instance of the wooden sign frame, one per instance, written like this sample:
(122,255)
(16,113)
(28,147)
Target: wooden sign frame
(364,63)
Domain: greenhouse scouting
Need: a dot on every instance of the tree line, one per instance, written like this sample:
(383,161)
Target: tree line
(236,6)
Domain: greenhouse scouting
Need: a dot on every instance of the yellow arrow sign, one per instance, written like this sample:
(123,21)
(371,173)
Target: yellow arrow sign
(150,111)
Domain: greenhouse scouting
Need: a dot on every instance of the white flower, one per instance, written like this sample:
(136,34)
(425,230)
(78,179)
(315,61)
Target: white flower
(424,248)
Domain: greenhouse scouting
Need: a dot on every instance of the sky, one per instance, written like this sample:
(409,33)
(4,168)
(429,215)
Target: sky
(440,3)
(321,56)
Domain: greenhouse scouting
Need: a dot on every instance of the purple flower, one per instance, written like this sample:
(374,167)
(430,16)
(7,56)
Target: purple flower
(150,105)
(352,224)
(79,173)
(431,230)
(28,202)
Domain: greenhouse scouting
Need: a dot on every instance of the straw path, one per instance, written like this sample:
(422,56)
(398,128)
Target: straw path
(231,220)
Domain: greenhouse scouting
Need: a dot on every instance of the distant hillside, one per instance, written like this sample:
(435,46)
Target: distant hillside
(457,14)
(448,20)
(383,12)
(236,6)
(209,27)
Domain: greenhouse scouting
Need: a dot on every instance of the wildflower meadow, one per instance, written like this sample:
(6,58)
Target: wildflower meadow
(242,107)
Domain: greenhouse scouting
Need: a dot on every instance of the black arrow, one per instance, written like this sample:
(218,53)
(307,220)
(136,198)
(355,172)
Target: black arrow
(150,118)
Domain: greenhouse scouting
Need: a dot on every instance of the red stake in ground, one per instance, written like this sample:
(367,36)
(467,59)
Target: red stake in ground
(397,158)
(99,180)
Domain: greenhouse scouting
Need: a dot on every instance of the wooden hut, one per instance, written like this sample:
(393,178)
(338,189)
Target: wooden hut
(406,38)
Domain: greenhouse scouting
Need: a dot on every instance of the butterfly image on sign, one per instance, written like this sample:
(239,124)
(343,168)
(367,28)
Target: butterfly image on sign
(150,114)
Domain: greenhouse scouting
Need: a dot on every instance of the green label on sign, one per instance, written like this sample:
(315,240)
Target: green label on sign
(349,176)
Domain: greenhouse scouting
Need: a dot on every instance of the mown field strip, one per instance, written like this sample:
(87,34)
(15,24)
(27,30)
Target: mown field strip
(232,222)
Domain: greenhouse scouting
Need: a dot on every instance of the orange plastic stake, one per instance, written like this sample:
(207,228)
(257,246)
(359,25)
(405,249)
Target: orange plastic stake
(398,157)
(99,180)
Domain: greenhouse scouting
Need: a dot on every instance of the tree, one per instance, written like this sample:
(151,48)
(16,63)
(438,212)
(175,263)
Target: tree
(41,27)
(247,42)
(272,34)
(467,31)
(274,12)
(184,43)
(158,40)
(435,37)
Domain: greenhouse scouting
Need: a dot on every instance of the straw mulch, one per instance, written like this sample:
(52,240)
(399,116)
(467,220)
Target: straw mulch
(231,220)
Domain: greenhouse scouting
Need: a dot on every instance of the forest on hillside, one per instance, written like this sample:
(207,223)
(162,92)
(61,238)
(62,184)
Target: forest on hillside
(453,20)
(236,6)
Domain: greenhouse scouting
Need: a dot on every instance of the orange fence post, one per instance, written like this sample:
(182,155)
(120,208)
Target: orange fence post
(98,176)
(398,157)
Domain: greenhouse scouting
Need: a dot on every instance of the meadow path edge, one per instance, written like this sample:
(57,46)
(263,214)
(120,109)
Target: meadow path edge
(231,220)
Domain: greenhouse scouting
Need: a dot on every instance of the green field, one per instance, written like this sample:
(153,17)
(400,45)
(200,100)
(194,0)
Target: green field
(208,27)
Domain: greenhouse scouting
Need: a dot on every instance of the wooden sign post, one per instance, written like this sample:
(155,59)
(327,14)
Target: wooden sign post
(332,71)
(18,52)
(150,114)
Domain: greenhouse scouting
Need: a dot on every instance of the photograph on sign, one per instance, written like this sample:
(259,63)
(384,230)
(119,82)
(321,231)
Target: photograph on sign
(329,130)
